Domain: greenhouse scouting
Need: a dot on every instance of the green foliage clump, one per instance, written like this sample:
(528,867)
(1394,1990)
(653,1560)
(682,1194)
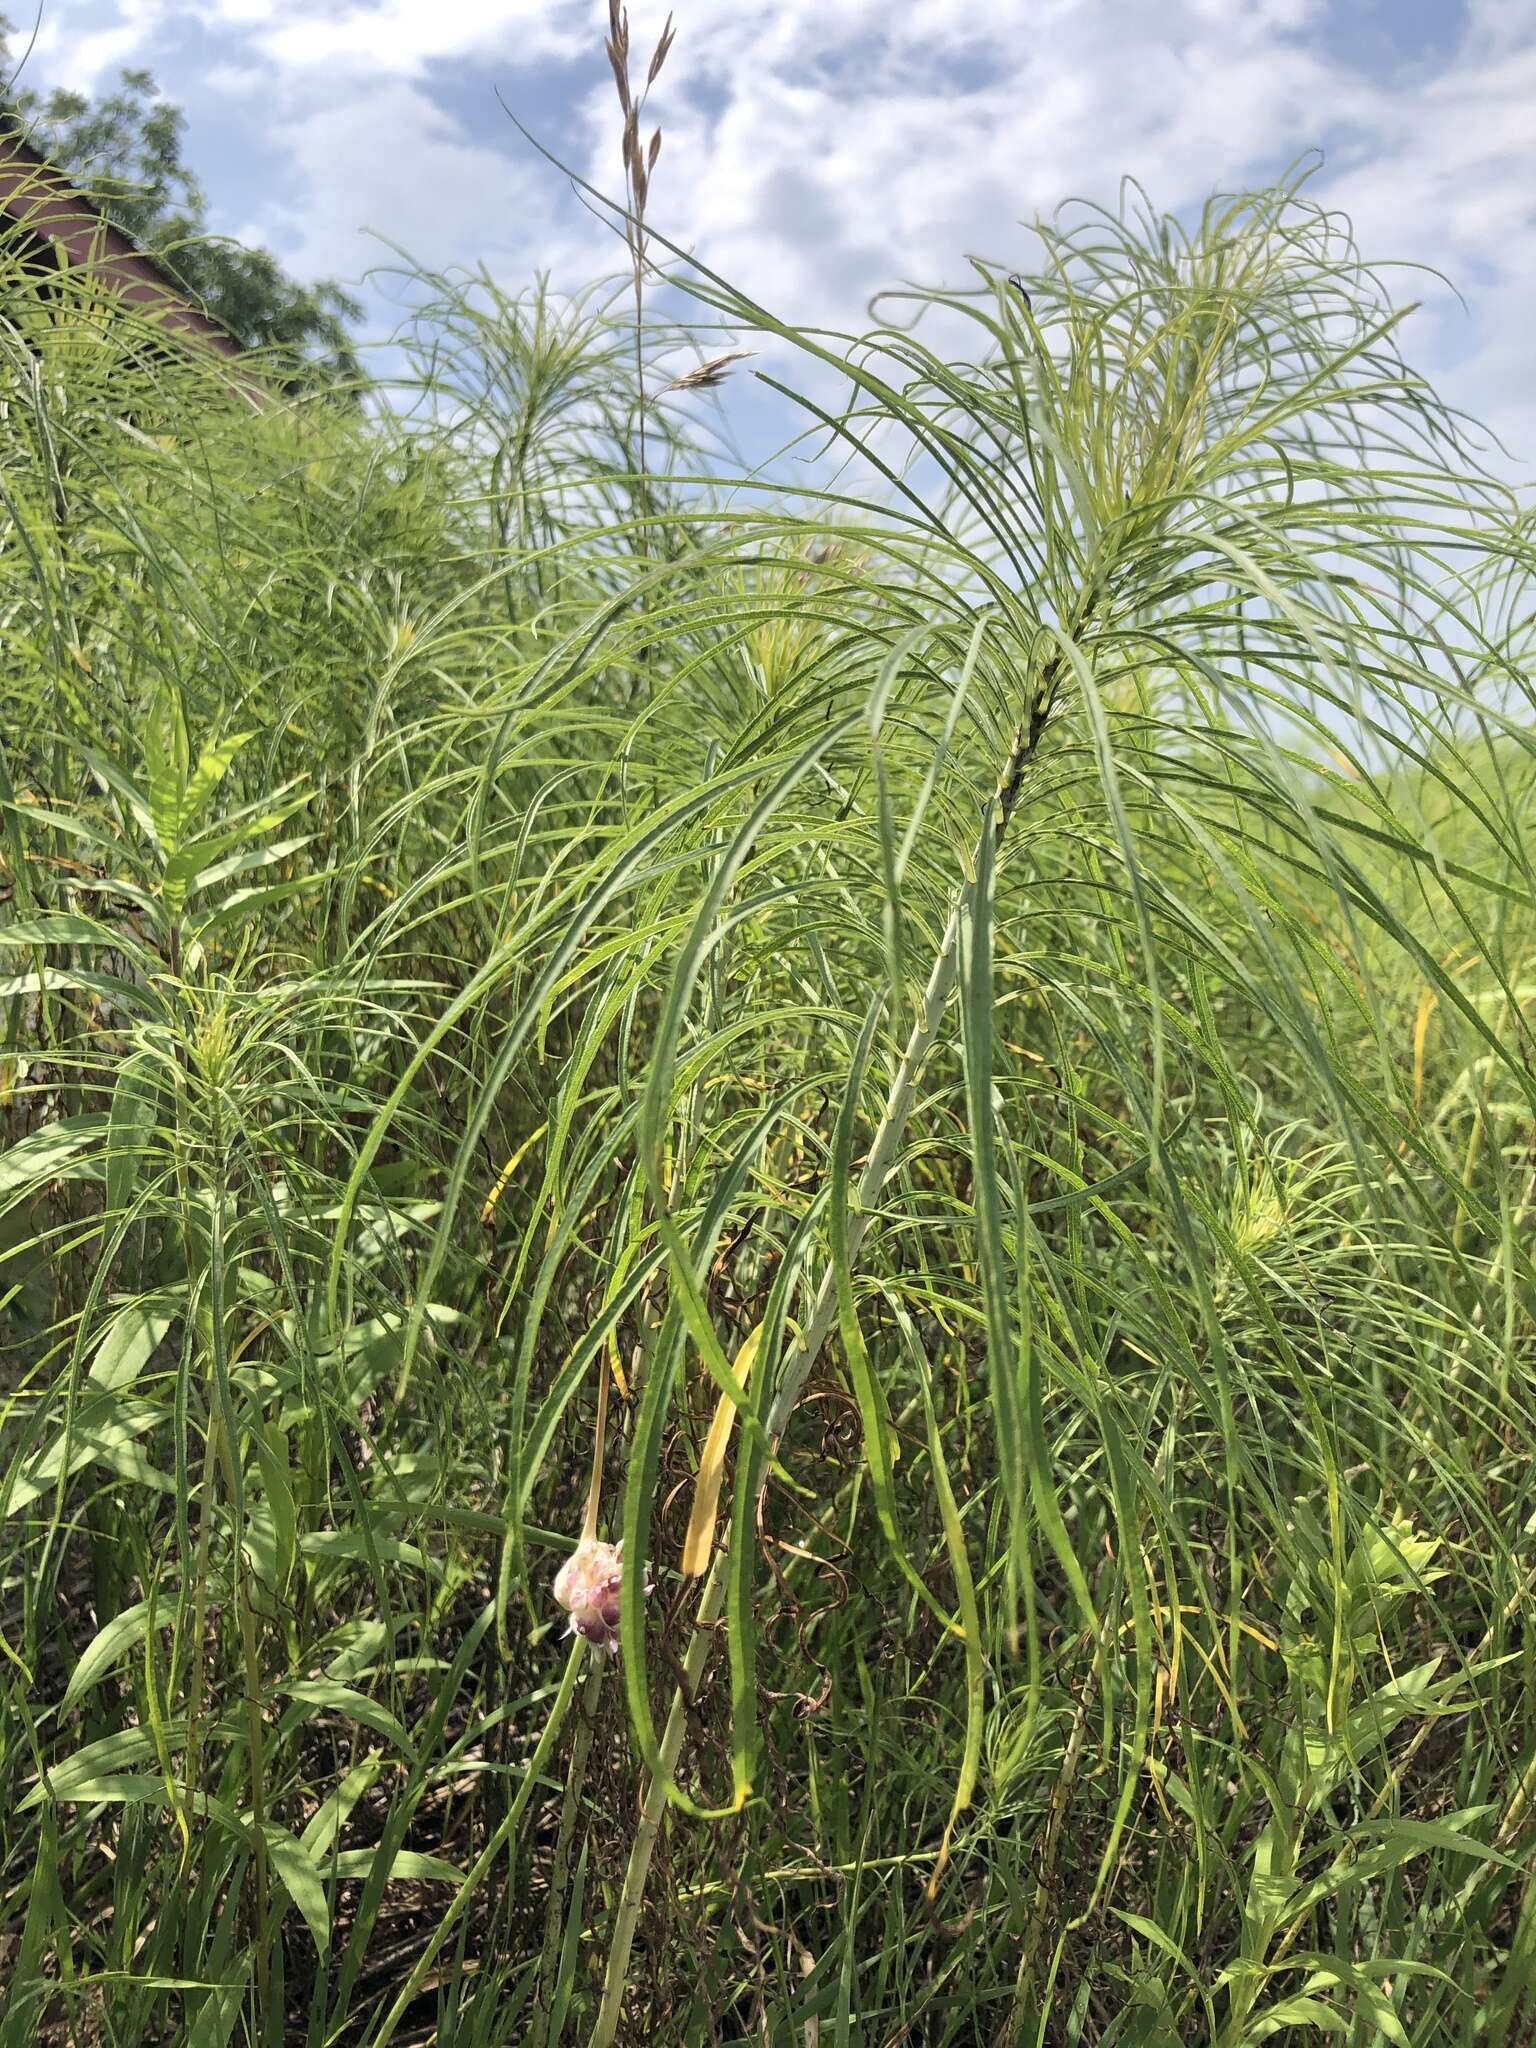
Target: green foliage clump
(986,1002)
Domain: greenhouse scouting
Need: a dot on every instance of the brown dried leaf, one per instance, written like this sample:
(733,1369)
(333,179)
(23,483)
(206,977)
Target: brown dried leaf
(653,152)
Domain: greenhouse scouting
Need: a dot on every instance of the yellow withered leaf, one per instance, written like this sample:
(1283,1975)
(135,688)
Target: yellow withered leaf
(700,1540)
(488,1210)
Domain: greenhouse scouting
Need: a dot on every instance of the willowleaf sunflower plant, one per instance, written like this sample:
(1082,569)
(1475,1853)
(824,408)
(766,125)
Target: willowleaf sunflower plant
(980,1002)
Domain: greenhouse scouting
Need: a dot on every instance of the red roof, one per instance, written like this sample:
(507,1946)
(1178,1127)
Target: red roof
(41,198)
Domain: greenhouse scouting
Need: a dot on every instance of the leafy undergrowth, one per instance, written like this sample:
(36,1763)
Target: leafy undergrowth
(986,1008)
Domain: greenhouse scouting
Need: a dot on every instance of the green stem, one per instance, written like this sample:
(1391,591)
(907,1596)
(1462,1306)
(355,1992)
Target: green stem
(197,1646)
(493,1848)
(251,1660)
(801,1360)
(549,1962)
(653,1807)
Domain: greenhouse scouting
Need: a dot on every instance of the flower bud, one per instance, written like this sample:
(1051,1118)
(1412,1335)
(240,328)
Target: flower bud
(587,1586)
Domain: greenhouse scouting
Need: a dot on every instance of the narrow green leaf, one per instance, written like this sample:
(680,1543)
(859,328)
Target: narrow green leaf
(130,1127)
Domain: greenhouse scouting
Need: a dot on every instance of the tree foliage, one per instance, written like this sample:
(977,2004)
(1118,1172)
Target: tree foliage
(125,150)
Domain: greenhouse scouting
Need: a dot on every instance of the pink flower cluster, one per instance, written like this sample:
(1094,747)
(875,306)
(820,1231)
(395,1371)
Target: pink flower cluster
(587,1586)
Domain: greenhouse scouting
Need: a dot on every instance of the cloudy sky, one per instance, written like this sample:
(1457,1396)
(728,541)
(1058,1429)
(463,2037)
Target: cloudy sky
(815,149)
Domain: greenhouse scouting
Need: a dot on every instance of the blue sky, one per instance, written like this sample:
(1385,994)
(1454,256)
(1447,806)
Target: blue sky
(816,149)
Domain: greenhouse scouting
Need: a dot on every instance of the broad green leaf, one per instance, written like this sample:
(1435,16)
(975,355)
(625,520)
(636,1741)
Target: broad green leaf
(1297,2012)
(404,1864)
(332,1814)
(58,1151)
(102,1430)
(131,1339)
(352,1544)
(271,1529)
(102,1761)
(212,766)
(85,1788)
(215,2019)
(70,928)
(1444,1834)
(126,996)
(252,858)
(243,903)
(303,1884)
(324,1695)
(110,1642)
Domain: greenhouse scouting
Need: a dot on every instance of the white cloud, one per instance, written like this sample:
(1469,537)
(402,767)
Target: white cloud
(838,163)
(80,46)
(815,149)
(1452,184)
(405,35)
(392,161)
